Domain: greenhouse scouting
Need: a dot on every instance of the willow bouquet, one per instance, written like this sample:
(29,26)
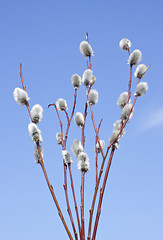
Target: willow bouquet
(77,150)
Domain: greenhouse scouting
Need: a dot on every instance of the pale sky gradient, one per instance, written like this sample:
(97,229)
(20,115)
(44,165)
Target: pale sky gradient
(45,37)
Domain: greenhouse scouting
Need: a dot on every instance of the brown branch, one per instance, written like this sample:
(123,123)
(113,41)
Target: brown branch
(73,192)
(102,193)
(52,193)
(67,201)
(82,207)
(69,120)
(60,122)
(21,76)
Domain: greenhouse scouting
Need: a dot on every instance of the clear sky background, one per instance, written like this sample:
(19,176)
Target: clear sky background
(45,37)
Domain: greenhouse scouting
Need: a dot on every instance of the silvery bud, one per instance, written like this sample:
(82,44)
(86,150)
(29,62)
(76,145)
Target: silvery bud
(20,96)
(122,100)
(34,133)
(66,157)
(113,137)
(37,155)
(83,162)
(126,111)
(135,57)
(79,119)
(77,148)
(93,97)
(61,104)
(36,113)
(97,147)
(87,77)
(140,70)
(59,138)
(125,44)
(86,49)
(117,126)
(76,81)
(141,88)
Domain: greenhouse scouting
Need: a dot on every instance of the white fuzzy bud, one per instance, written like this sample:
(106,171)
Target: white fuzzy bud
(141,88)
(79,119)
(93,80)
(77,148)
(83,162)
(87,77)
(113,137)
(36,113)
(135,57)
(61,104)
(59,138)
(97,147)
(36,154)
(93,97)
(140,70)
(126,111)
(122,100)
(34,133)
(117,126)
(125,44)
(76,81)
(20,96)
(66,157)
(86,49)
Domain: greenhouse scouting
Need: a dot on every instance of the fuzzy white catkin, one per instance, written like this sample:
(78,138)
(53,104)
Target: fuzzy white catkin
(113,137)
(87,77)
(36,113)
(126,111)
(122,100)
(34,133)
(61,104)
(59,138)
(117,126)
(125,44)
(93,97)
(97,147)
(66,157)
(36,154)
(140,70)
(77,147)
(20,96)
(135,57)
(141,88)
(83,162)
(79,119)
(86,49)
(76,81)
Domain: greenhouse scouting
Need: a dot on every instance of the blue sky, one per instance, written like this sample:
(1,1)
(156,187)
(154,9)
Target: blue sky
(45,37)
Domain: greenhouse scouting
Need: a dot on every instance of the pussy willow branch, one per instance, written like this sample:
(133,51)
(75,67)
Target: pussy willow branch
(73,192)
(44,170)
(82,206)
(60,122)
(102,193)
(97,151)
(129,85)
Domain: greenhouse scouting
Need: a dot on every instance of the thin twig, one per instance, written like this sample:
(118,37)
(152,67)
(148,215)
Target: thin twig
(73,192)
(82,206)
(129,85)
(60,122)
(97,151)
(102,193)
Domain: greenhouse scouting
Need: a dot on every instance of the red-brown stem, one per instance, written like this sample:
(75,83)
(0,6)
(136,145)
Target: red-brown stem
(21,76)
(76,207)
(67,201)
(102,194)
(82,206)
(53,104)
(97,151)
(52,192)
(85,115)
(129,85)
(101,171)
(97,135)
(69,120)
